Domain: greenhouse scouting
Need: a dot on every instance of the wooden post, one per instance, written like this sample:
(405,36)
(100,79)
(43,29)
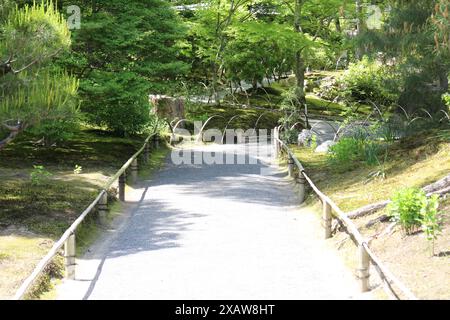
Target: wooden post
(276,150)
(103,208)
(301,181)
(134,171)
(291,167)
(363,272)
(69,256)
(156,142)
(275,143)
(147,153)
(327,218)
(122,181)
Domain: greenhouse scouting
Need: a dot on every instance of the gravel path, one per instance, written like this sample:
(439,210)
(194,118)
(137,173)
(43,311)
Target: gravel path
(213,232)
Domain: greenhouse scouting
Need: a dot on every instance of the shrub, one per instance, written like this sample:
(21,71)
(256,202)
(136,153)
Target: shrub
(329,90)
(116,100)
(78,169)
(367,80)
(345,151)
(371,150)
(390,130)
(314,143)
(446,98)
(406,208)
(431,221)
(413,210)
(39,176)
(290,136)
(56,131)
(343,154)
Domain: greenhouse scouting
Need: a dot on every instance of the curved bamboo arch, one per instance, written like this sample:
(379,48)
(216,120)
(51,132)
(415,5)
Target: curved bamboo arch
(169,124)
(429,114)
(376,107)
(342,128)
(415,119)
(226,127)
(180,122)
(172,137)
(259,119)
(172,122)
(295,124)
(408,117)
(446,115)
(200,138)
(327,123)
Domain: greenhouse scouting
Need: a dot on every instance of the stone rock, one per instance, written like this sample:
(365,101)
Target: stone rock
(168,108)
(325,147)
(304,138)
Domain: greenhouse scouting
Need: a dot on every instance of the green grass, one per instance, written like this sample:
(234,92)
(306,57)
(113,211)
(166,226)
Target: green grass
(156,161)
(32,216)
(246,120)
(88,148)
(413,162)
(268,97)
(49,208)
(271,98)
(318,106)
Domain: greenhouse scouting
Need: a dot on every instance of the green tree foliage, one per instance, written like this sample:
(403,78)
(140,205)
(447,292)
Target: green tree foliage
(123,52)
(441,23)
(368,80)
(408,41)
(32,90)
(260,50)
(251,39)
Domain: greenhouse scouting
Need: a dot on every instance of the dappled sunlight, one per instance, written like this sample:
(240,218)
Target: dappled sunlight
(20,251)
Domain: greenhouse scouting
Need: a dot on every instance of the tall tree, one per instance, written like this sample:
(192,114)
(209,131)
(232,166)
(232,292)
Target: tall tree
(32,90)
(408,40)
(123,52)
(210,35)
(310,18)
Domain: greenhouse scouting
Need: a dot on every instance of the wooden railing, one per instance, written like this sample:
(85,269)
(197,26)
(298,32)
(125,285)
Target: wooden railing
(330,210)
(101,202)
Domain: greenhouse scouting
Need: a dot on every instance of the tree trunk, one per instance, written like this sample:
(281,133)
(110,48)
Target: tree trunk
(300,75)
(359,24)
(299,62)
(215,84)
(337,23)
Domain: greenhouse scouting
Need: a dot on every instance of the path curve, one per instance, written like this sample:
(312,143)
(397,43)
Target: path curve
(213,232)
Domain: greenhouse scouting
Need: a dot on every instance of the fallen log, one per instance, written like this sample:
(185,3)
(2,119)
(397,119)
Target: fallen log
(441,192)
(438,185)
(381,218)
(369,209)
(374,207)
